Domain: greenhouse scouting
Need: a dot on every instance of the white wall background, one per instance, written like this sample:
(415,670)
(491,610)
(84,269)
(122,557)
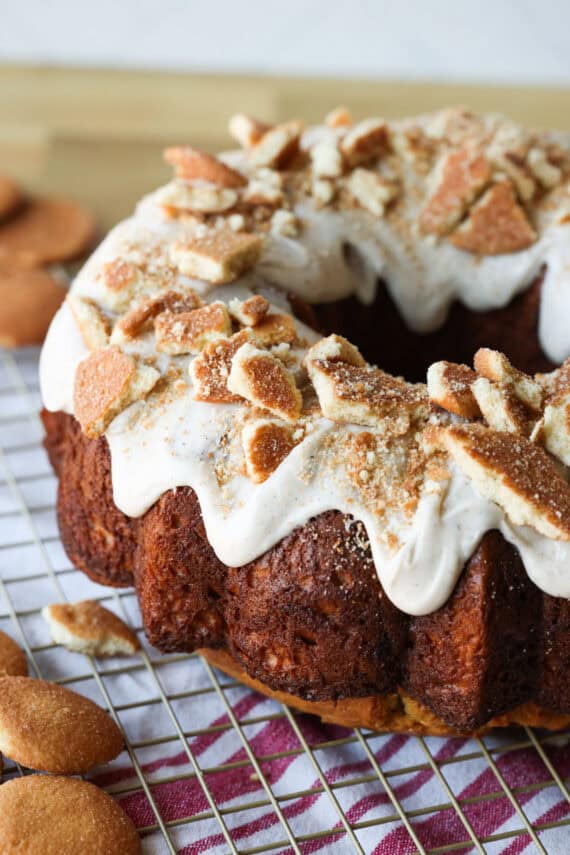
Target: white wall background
(486,40)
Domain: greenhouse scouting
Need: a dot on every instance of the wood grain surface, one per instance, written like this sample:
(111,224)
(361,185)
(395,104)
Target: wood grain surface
(98,134)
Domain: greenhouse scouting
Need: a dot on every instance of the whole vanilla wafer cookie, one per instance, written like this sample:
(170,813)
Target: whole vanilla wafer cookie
(29,300)
(50,728)
(11,197)
(13,662)
(46,815)
(46,231)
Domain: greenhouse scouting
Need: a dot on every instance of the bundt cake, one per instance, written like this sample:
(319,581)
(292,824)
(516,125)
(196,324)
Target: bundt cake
(377,550)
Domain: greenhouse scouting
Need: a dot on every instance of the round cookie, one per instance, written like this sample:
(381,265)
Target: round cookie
(50,728)
(45,232)
(44,815)
(11,197)
(13,662)
(29,300)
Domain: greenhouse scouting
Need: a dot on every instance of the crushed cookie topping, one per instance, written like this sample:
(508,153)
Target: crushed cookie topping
(266,443)
(519,425)
(211,368)
(496,224)
(249,312)
(365,141)
(106,382)
(278,146)
(218,257)
(190,164)
(263,380)
(189,332)
(148,308)
(93,325)
(246,130)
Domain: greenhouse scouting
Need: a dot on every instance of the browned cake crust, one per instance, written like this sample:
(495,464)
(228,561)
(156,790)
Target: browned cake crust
(497,644)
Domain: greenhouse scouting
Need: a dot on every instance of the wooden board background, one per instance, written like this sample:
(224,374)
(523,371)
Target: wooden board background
(98,134)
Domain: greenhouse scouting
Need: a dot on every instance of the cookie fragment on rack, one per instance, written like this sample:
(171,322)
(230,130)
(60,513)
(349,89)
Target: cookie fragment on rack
(266,443)
(211,369)
(496,224)
(218,257)
(107,382)
(93,325)
(495,366)
(516,474)
(262,379)
(190,164)
(457,179)
(87,627)
(189,332)
(449,386)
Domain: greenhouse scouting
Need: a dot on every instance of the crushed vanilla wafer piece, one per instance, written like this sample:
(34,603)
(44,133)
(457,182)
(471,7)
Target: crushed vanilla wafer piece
(262,379)
(266,443)
(326,160)
(218,257)
(190,164)
(275,328)
(371,190)
(246,130)
(107,382)
(211,368)
(323,191)
(265,188)
(340,117)
(543,170)
(516,474)
(496,224)
(277,146)
(87,627)
(249,312)
(500,408)
(189,332)
(119,279)
(457,179)
(335,348)
(93,325)
(365,141)
(556,419)
(284,223)
(202,198)
(449,386)
(352,392)
(495,366)
(148,308)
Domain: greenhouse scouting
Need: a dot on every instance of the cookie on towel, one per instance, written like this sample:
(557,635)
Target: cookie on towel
(46,815)
(29,300)
(46,231)
(13,662)
(88,627)
(50,728)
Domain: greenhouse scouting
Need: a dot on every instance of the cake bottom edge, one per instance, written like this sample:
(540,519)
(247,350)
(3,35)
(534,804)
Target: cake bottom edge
(395,713)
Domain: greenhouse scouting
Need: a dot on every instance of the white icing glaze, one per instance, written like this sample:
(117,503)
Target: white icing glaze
(243,520)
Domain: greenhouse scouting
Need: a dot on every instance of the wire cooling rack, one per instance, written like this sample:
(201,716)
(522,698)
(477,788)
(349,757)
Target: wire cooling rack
(210,765)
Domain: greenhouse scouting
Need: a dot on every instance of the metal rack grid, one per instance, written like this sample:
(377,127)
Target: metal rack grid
(289,784)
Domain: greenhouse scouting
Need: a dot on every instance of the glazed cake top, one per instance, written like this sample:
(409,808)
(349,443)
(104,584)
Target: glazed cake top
(178,343)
